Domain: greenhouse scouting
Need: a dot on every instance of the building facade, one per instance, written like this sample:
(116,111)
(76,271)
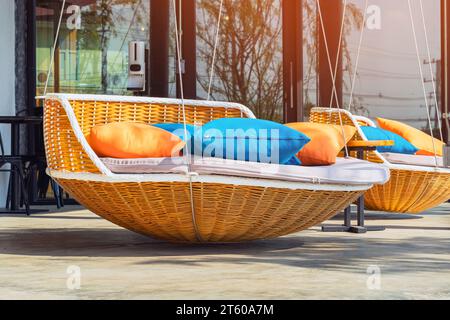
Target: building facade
(7,75)
(273,55)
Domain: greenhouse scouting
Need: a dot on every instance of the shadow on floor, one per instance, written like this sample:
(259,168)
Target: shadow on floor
(438,212)
(417,228)
(52,212)
(54,216)
(329,252)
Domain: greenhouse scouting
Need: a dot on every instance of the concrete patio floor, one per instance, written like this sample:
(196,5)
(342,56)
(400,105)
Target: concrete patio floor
(36,253)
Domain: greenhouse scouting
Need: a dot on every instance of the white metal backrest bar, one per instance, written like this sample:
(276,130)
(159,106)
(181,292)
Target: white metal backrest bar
(64,101)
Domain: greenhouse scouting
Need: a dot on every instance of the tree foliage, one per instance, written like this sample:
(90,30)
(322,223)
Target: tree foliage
(249,67)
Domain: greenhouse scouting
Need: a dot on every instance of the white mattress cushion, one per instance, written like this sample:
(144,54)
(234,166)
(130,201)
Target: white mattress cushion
(345,171)
(413,160)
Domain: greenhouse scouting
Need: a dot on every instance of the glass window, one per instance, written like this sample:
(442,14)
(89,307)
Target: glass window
(311,23)
(248,66)
(388,82)
(92,52)
(173,75)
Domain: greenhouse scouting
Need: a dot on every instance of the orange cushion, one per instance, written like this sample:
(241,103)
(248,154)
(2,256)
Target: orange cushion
(419,139)
(326,142)
(124,140)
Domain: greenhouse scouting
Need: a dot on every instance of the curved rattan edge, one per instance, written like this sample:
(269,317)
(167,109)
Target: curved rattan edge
(217,179)
(365,120)
(407,167)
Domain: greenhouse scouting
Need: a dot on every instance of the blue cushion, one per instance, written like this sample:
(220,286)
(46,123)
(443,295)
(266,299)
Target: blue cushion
(249,140)
(401,145)
(178,130)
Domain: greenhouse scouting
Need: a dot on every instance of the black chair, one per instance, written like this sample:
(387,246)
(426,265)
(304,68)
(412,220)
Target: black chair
(39,182)
(37,167)
(17,166)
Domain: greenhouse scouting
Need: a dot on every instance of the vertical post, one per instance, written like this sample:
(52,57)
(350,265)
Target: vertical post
(445,68)
(186,16)
(158,68)
(439,108)
(31,55)
(56,63)
(332,19)
(32,135)
(293,60)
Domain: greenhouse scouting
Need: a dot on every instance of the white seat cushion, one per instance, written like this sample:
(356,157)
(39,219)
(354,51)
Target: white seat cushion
(413,160)
(345,171)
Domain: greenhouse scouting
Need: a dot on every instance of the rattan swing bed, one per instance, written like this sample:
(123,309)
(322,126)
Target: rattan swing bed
(224,208)
(411,189)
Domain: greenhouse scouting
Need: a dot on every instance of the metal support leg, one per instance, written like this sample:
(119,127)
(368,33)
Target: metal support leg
(360,228)
(23,189)
(360,217)
(348,217)
(346,227)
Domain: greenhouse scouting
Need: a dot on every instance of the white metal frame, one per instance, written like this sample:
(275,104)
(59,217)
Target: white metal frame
(229,180)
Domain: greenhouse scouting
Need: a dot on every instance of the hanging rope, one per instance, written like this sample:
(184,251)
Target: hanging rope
(358,55)
(333,73)
(52,59)
(216,43)
(419,60)
(336,65)
(187,148)
(433,81)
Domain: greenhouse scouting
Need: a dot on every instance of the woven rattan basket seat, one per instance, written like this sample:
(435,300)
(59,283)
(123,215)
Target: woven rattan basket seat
(227,209)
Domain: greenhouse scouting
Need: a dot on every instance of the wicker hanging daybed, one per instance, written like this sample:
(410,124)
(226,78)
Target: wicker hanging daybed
(411,189)
(225,208)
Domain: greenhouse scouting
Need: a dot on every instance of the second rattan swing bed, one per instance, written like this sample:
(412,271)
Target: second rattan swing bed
(412,188)
(189,207)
